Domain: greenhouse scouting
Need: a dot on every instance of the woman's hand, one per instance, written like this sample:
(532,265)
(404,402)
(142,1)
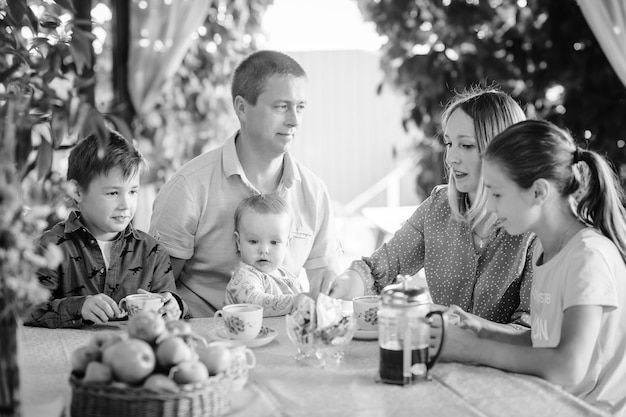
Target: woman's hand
(345,286)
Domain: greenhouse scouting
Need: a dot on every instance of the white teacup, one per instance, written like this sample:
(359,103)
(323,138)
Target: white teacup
(366,312)
(242,360)
(242,321)
(135,303)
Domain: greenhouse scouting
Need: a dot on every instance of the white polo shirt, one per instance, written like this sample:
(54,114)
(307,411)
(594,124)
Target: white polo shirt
(193,217)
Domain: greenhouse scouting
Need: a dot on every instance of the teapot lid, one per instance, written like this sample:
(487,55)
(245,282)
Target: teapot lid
(402,294)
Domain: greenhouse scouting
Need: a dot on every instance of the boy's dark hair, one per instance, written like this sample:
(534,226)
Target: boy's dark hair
(91,158)
(262,204)
(252,73)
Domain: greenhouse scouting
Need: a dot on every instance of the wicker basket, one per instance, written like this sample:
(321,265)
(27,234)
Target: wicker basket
(211,398)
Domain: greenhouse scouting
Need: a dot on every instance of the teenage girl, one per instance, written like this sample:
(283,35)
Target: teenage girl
(540,181)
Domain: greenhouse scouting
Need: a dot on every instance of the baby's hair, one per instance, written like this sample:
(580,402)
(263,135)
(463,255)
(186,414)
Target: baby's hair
(252,73)
(530,150)
(91,158)
(492,111)
(262,204)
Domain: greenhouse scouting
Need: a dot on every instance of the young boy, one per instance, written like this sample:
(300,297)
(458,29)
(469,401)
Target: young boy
(262,233)
(105,258)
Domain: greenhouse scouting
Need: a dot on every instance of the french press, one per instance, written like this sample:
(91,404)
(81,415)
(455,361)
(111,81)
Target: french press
(404,319)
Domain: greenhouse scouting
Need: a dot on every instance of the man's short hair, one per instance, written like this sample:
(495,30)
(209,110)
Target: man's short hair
(91,158)
(252,73)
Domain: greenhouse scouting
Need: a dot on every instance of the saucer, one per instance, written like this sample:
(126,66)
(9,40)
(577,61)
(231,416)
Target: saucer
(366,334)
(266,335)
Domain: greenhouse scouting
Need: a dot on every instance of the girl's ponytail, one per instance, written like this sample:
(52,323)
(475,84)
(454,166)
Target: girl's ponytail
(601,202)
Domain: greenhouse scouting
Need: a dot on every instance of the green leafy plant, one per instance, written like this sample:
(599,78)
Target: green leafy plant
(542,52)
(45,65)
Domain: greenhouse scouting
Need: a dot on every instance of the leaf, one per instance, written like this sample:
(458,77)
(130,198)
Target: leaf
(81,50)
(59,126)
(23,146)
(18,9)
(121,126)
(66,4)
(44,159)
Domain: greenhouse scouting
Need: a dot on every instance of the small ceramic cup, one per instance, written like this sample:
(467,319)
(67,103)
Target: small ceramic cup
(242,321)
(366,312)
(135,303)
(242,360)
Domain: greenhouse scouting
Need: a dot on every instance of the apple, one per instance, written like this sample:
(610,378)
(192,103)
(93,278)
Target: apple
(160,383)
(131,360)
(189,371)
(146,325)
(178,327)
(98,373)
(102,340)
(216,358)
(82,356)
(172,351)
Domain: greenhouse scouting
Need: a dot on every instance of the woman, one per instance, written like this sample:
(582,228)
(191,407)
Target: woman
(533,171)
(468,258)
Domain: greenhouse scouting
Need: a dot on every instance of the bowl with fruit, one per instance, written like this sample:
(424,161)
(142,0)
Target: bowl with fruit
(320,331)
(152,369)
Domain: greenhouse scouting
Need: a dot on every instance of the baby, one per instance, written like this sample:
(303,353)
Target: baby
(262,233)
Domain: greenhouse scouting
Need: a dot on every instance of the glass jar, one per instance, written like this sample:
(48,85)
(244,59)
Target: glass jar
(404,319)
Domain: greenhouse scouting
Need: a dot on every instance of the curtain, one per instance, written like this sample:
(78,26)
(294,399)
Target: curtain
(607,20)
(160,34)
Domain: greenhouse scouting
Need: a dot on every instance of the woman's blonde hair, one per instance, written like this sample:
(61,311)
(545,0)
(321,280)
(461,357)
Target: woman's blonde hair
(492,111)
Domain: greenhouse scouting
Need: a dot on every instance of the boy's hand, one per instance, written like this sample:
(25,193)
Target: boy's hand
(100,308)
(170,309)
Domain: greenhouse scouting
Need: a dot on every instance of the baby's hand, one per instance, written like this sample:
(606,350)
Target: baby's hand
(100,308)
(170,309)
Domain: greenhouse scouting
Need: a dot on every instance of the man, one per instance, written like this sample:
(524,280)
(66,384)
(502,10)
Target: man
(193,212)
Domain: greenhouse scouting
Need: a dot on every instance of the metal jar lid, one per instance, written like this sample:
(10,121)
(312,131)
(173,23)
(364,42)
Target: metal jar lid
(400,295)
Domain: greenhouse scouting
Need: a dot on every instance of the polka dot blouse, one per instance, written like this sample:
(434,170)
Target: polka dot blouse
(493,282)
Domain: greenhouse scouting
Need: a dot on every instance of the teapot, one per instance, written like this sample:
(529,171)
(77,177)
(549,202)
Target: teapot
(404,319)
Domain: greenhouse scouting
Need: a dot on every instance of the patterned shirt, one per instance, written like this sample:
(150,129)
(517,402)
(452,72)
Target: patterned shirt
(275,292)
(137,261)
(493,282)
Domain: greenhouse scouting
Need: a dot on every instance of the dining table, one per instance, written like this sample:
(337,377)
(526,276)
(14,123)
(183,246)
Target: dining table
(280,385)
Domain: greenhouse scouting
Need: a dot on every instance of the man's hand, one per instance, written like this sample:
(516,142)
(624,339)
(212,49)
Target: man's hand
(100,308)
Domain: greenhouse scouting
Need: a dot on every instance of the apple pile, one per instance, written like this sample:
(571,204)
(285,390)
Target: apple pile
(158,355)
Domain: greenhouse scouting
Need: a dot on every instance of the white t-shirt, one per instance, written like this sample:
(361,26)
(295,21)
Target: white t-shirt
(105,247)
(589,270)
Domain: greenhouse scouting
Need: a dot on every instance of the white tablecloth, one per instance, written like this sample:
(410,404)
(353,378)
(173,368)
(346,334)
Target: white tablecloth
(280,386)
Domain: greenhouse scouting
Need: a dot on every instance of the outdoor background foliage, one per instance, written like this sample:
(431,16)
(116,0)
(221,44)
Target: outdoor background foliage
(541,52)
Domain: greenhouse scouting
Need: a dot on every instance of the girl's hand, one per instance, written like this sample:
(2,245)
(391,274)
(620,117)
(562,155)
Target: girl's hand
(458,344)
(463,319)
